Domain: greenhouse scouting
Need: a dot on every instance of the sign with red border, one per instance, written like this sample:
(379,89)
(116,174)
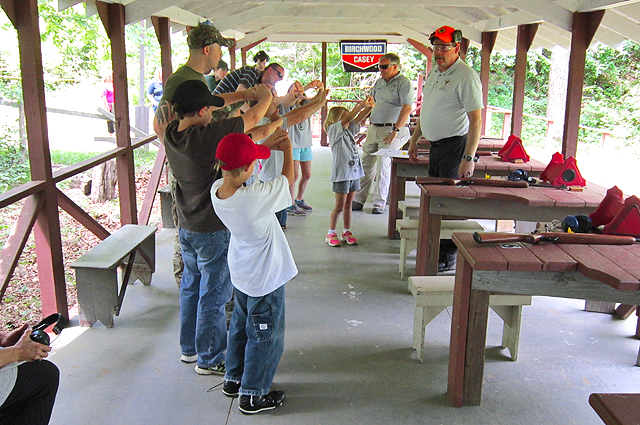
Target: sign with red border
(361,55)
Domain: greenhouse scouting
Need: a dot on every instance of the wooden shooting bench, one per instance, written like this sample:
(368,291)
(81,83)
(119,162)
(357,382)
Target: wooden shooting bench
(101,288)
(536,204)
(595,272)
(403,170)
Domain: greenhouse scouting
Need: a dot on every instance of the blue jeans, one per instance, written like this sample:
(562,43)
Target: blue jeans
(282,217)
(205,288)
(256,341)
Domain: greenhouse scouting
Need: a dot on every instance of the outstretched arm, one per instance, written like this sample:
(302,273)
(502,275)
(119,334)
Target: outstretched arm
(304,112)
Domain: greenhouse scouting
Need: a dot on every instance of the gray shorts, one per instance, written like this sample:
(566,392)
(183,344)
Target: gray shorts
(346,186)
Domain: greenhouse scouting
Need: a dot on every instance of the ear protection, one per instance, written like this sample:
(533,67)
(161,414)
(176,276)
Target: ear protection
(520,174)
(456,36)
(577,223)
(39,335)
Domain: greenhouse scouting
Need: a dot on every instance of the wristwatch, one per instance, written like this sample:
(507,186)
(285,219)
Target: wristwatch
(469,158)
(394,128)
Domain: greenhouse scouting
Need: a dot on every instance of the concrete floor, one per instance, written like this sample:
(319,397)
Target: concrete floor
(348,356)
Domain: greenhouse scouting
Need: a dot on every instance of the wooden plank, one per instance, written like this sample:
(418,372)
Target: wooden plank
(616,409)
(481,257)
(476,342)
(621,256)
(459,323)
(595,266)
(448,191)
(624,311)
(518,257)
(562,197)
(110,252)
(591,197)
(553,258)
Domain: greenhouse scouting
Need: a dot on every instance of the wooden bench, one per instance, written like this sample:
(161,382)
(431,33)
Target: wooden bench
(408,230)
(410,208)
(617,409)
(435,293)
(101,288)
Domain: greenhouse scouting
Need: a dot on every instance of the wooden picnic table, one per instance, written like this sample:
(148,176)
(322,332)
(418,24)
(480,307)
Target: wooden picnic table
(598,272)
(402,170)
(494,203)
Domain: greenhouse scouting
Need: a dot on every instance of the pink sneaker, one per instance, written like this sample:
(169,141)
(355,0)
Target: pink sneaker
(349,238)
(332,240)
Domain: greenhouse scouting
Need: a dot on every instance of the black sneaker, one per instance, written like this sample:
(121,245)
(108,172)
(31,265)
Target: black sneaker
(230,388)
(356,206)
(250,404)
(447,262)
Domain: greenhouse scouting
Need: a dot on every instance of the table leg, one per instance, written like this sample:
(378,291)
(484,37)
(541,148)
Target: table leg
(468,339)
(396,193)
(428,239)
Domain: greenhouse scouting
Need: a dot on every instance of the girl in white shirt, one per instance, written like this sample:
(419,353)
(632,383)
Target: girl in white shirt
(342,126)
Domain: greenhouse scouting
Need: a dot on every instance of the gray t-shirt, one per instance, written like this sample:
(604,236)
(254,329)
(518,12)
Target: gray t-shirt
(390,97)
(300,134)
(346,159)
(272,166)
(447,98)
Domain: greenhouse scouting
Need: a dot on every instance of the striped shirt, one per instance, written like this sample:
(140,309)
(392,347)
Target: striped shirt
(248,76)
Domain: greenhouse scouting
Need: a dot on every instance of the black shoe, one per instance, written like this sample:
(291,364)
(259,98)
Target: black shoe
(447,262)
(356,206)
(250,404)
(230,388)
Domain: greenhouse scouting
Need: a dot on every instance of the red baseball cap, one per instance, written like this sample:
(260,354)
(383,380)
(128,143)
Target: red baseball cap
(238,150)
(446,34)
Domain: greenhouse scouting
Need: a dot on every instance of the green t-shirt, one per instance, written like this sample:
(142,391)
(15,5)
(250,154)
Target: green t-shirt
(182,74)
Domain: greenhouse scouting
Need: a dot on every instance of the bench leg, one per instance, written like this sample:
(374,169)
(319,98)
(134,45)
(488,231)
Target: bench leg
(97,295)
(422,316)
(600,307)
(512,317)
(406,246)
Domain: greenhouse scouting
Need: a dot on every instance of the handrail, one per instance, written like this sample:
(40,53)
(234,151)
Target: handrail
(87,164)
(18,193)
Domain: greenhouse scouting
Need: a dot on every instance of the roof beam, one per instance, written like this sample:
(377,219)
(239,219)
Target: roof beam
(508,20)
(141,9)
(621,25)
(592,5)
(546,11)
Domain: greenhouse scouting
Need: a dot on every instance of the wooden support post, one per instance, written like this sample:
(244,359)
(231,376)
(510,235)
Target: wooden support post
(163,32)
(464,46)
(583,29)
(425,50)
(488,41)
(24,16)
(232,56)
(323,111)
(526,33)
(112,16)
(245,49)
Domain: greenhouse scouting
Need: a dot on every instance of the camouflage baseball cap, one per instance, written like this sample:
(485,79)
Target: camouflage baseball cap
(206,34)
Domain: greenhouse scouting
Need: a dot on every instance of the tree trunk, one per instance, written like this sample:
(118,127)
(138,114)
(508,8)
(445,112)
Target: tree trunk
(558,78)
(103,185)
(22,124)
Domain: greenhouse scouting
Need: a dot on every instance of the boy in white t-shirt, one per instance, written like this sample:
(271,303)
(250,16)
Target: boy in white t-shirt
(260,263)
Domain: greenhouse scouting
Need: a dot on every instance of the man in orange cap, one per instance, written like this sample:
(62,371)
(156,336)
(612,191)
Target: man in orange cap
(450,118)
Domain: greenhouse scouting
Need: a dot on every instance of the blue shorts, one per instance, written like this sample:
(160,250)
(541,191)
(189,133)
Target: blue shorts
(346,186)
(303,154)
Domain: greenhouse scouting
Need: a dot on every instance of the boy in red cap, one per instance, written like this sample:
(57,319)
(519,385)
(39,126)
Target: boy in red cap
(260,263)
(190,142)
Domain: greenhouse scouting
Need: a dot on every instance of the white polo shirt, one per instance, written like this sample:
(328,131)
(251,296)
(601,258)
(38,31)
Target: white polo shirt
(447,98)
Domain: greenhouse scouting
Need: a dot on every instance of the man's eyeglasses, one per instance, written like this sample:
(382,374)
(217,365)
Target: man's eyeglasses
(443,47)
(385,66)
(280,74)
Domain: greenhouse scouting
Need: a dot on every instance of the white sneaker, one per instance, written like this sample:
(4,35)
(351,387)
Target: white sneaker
(188,359)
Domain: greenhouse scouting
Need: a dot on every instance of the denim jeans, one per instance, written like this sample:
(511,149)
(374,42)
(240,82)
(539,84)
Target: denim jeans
(282,217)
(256,341)
(205,288)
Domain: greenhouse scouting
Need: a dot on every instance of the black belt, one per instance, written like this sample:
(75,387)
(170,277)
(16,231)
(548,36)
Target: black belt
(386,124)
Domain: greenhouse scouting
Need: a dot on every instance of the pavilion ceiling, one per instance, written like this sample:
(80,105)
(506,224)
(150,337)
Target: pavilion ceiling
(393,20)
